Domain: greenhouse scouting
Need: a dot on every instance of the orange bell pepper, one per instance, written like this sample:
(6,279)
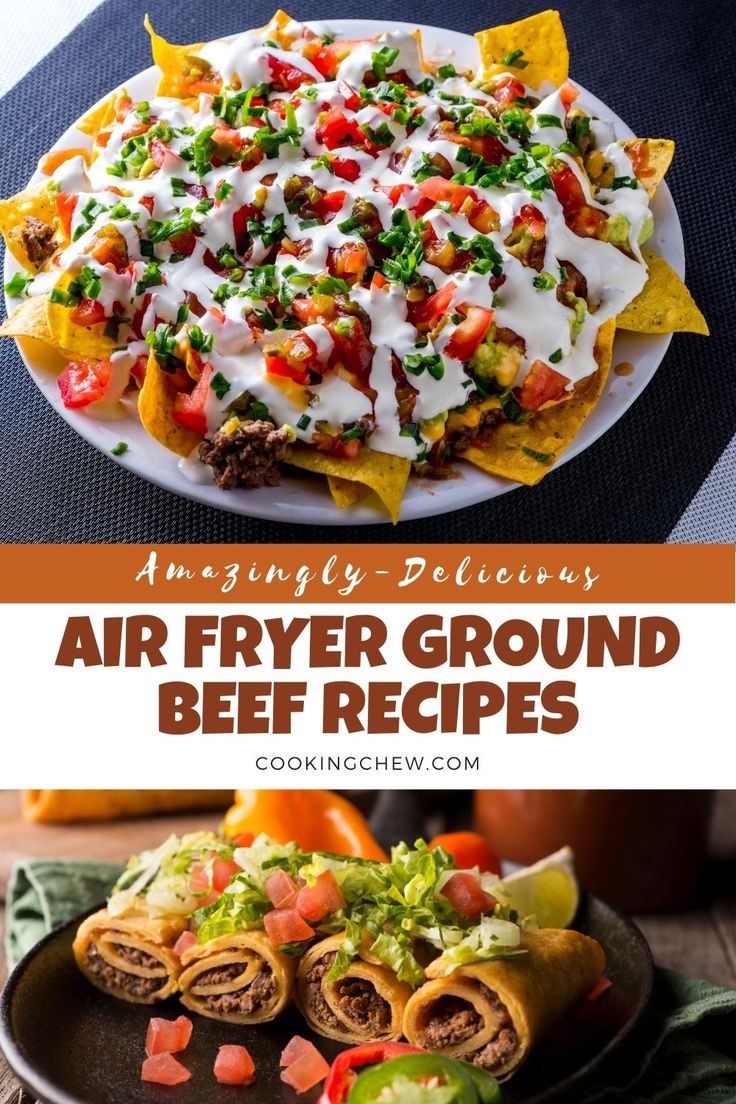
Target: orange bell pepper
(318,820)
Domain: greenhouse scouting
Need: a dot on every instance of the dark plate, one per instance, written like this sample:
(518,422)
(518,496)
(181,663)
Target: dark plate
(69,1044)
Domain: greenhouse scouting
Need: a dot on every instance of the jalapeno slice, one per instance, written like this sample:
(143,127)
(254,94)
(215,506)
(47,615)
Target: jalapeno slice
(486,1084)
(444,1080)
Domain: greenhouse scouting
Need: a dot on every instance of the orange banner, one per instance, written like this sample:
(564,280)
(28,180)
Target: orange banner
(490,573)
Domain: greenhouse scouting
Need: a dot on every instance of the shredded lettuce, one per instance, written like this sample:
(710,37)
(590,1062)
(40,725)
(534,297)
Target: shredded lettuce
(157,881)
(491,938)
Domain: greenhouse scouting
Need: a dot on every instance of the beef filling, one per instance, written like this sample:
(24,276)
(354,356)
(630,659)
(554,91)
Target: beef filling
(316,1003)
(249,457)
(136,957)
(38,239)
(241,1001)
(113,978)
(453,1021)
(358,1000)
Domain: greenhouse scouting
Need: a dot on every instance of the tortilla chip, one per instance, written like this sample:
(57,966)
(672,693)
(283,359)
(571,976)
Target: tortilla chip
(98,117)
(155,403)
(543,41)
(510,449)
(91,341)
(29,320)
(31,202)
(664,305)
(175,63)
(660,152)
(384,474)
(344,492)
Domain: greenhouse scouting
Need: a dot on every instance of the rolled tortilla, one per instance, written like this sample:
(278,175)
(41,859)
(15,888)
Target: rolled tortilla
(493,1013)
(130,957)
(240,978)
(63,806)
(366,1004)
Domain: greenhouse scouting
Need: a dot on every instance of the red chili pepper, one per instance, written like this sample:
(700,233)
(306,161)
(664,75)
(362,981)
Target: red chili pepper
(342,1074)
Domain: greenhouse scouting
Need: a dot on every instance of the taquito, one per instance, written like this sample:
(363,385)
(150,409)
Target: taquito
(366,1004)
(241,978)
(68,806)
(130,957)
(493,1013)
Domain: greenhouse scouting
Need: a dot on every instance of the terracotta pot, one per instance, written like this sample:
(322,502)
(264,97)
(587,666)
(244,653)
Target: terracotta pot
(641,850)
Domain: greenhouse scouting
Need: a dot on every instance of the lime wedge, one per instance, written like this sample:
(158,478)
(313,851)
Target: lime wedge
(548,890)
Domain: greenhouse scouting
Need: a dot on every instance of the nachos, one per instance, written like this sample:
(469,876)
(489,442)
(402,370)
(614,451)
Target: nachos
(340,256)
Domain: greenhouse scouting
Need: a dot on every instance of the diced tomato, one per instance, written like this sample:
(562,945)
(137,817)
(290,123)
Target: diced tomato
(568,188)
(425,313)
(335,446)
(109,247)
(509,89)
(329,204)
(588,222)
(243,839)
(326,59)
(122,105)
(189,410)
(335,129)
(316,901)
(349,95)
(353,350)
(469,333)
(350,259)
(379,280)
(183,243)
(186,940)
(223,872)
(464,893)
(87,313)
(286,76)
(157,151)
(435,189)
(396,191)
(540,385)
(84,381)
(228,143)
(568,94)
(346,168)
(304,1066)
(200,881)
(281,890)
(138,371)
(286,925)
(279,366)
(469,849)
(533,219)
(482,217)
(490,148)
(147,202)
(163,1069)
(168,1036)
(312,310)
(65,204)
(234,1066)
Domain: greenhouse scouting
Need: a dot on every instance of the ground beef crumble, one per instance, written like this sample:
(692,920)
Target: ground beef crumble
(358,1000)
(454,1021)
(249,457)
(113,978)
(38,239)
(241,1001)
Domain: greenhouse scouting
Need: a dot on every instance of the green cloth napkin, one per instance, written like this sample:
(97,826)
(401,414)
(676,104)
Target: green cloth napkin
(683,1051)
(44,893)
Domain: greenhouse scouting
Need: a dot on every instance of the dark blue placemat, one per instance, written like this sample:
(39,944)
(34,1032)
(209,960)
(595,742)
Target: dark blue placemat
(664,67)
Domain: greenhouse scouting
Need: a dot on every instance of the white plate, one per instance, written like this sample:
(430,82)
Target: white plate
(307,500)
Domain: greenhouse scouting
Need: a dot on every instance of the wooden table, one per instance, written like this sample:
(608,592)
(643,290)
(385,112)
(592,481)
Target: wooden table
(700,941)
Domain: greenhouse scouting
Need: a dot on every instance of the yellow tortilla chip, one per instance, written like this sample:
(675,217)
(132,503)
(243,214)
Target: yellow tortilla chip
(525,452)
(542,39)
(384,474)
(175,63)
(664,305)
(344,492)
(29,320)
(91,341)
(99,117)
(155,403)
(660,152)
(30,203)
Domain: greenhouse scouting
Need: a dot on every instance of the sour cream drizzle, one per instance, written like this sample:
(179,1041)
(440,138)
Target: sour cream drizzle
(613,277)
